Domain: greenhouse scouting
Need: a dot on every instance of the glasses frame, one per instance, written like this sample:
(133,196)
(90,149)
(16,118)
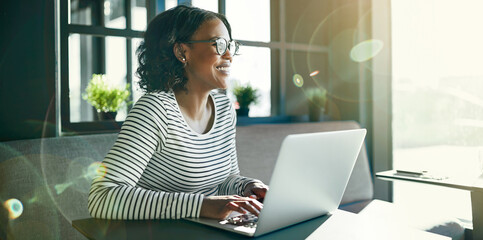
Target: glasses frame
(227,44)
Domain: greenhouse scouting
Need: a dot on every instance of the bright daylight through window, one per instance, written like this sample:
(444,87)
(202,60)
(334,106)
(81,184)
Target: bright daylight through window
(252,66)
(93,51)
(94,54)
(437,98)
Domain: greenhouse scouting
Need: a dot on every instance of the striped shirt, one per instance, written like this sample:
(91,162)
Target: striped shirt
(160,168)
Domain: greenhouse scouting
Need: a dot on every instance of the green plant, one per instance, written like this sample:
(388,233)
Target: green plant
(104,97)
(245,95)
(317,97)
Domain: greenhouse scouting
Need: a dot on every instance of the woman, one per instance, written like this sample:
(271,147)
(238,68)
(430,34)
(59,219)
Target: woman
(175,156)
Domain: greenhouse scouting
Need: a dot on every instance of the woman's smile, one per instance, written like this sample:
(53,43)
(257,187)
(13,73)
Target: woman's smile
(224,68)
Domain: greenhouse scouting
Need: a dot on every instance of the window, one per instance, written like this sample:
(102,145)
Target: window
(211,5)
(98,37)
(437,101)
(101,36)
(251,26)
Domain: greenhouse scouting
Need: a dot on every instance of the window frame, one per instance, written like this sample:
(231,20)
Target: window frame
(66,29)
(279,54)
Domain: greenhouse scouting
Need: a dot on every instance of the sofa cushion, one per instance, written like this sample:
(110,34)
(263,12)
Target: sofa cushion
(258,147)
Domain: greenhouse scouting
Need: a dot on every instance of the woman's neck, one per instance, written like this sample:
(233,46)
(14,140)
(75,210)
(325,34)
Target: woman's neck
(195,104)
(197,109)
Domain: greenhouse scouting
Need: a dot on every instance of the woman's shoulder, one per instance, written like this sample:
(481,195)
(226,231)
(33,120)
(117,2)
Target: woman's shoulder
(156,100)
(220,97)
(164,97)
(221,100)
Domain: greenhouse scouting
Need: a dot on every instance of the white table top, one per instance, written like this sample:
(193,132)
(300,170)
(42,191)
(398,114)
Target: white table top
(464,183)
(344,225)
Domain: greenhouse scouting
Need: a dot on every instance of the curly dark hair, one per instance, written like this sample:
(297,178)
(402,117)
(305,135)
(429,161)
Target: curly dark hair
(159,69)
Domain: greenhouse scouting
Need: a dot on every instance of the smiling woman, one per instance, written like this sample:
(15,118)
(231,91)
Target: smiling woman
(208,61)
(175,155)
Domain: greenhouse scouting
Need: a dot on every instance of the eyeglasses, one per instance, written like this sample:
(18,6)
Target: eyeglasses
(222,45)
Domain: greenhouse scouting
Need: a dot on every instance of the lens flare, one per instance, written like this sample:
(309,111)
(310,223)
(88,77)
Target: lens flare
(366,50)
(314,73)
(14,207)
(32,200)
(60,188)
(298,80)
(95,169)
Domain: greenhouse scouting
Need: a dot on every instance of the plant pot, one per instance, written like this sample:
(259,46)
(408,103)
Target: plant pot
(106,116)
(242,111)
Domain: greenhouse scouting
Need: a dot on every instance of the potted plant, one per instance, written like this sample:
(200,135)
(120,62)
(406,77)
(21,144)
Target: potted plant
(105,98)
(245,95)
(317,99)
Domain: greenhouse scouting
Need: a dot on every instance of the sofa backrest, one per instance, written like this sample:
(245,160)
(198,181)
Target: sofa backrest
(50,177)
(258,147)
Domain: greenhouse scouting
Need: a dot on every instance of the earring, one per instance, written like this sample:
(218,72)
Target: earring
(183,59)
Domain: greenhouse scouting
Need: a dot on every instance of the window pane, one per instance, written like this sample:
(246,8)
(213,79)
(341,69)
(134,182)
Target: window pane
(314,21)
(306,71)
(253,66)
(83,12)
(92,12)
(136,91)
(211,5)
(139,15)
(249,22)
(170,4)
(116,66)
(114,15)
(81,68)
(437,100)
(86,54)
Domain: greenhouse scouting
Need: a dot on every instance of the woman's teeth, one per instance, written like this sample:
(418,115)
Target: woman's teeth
(223,68)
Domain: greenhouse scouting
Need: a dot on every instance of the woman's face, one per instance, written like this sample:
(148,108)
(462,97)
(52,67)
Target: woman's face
(205,69)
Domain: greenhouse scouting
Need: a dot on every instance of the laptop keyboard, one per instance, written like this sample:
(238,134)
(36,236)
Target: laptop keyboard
(246,220)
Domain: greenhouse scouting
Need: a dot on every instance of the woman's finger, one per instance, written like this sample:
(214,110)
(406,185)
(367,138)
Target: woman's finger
(254,202)
(249,206)
(235,207)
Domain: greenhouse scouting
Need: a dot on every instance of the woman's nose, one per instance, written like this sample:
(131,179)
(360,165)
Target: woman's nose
(228,55)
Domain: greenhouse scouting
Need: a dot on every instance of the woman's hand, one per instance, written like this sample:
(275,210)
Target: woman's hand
(256,190)
(219,207)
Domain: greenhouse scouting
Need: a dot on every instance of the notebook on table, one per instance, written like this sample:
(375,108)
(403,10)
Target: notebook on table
(308,181)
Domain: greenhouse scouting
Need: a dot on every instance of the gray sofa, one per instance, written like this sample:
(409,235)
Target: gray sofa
(51,177)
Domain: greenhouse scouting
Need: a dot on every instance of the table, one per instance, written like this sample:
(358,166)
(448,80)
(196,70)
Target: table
(474,185)
(339,225)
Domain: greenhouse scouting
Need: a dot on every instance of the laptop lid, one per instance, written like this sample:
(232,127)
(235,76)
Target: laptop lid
(309,178)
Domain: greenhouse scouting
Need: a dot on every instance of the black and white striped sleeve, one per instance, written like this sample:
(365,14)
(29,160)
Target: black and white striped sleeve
(114,195)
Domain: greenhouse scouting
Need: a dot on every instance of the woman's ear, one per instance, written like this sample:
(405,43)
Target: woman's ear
(179,52)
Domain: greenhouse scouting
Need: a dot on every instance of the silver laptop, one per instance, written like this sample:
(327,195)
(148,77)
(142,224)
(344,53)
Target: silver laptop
(308,181)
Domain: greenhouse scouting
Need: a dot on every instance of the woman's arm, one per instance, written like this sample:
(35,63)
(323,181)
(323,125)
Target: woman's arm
(114,194)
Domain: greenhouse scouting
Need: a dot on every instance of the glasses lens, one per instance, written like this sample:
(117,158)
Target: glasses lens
(221,46)
(234,46)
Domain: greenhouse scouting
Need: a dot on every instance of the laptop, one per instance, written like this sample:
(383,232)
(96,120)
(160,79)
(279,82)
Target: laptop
(308,181)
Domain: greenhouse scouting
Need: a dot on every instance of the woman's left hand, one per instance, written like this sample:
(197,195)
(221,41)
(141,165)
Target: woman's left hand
(256,190)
